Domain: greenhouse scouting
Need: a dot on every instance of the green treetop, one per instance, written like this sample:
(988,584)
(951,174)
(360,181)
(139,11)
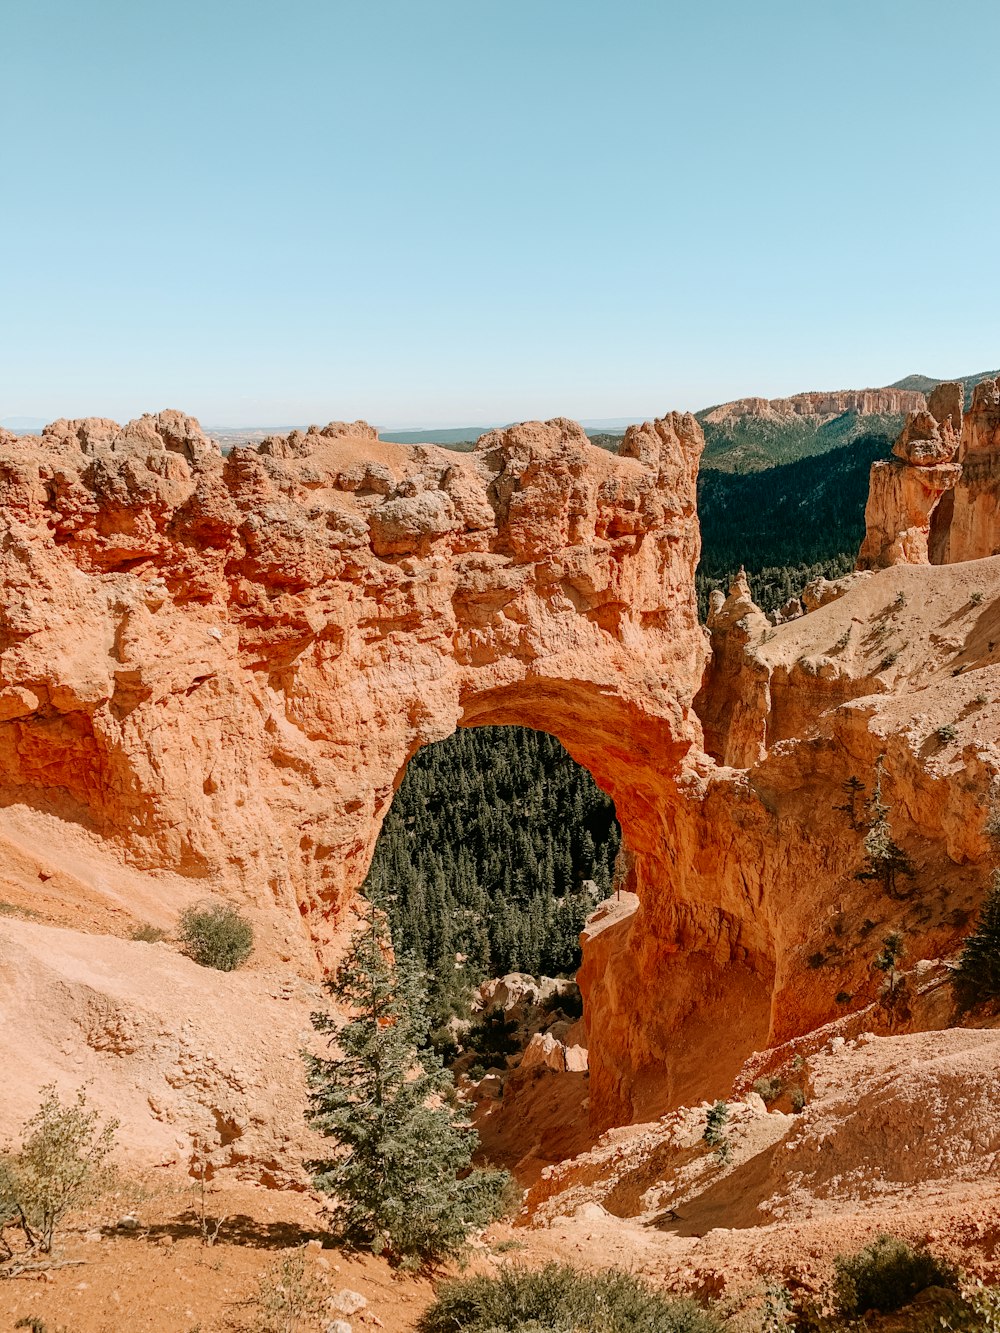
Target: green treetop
(402,1181)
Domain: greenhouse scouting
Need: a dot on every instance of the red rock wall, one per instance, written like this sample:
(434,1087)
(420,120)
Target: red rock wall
(222,666)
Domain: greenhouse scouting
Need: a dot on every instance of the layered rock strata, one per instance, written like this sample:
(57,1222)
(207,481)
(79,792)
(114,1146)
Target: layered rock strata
(937,499)
(213,672)
(222,664)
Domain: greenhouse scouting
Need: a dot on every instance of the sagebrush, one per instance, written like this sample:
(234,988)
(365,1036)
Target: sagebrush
(61,1165)
(561,1299)
(216,935)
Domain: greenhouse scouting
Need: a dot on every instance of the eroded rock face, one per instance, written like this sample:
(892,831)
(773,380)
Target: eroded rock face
(866,402)
(905,490)
(938,498)
(219,667)
(224,664)
(971,527)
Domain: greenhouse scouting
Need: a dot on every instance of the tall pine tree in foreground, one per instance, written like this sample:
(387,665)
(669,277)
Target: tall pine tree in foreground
(402,1182)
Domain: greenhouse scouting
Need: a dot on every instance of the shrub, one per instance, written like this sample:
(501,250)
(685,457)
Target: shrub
(216,935)
(288,1299)
(715,1130)
(494,1035)
(560,1299)
(62,1165)
(886,1275)
(147,934)
(885,860)
(947,733)
(769,1088)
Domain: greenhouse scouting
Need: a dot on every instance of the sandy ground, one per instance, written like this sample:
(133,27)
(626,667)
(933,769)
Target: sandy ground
(163,1278)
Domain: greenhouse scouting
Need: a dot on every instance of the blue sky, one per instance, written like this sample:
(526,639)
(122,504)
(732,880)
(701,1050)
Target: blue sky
(455,211)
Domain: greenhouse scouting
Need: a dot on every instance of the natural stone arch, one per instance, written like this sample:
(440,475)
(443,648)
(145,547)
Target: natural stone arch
(260,642)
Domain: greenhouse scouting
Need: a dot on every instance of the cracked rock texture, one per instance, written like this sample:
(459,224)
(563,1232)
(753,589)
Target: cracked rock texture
(213,671)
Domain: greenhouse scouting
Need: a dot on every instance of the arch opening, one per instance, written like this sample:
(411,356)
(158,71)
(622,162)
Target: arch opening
(496,848)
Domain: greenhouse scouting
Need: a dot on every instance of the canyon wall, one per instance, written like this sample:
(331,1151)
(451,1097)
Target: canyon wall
(866,402)
(937,499)
(221,665)
(213,671)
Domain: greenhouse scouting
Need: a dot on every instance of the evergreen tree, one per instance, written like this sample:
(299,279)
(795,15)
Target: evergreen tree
(402,1182)
(886,862)
(978,975)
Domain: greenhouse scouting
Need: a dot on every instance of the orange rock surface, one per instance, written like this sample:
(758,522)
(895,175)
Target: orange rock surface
(213,671)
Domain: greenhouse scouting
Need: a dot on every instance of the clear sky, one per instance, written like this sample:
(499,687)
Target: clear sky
(449,212)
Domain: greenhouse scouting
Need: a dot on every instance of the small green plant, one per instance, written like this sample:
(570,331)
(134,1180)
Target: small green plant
(62,1165)
(560,1299)
(288,1299)
(769,1088)
(716,1118)
(776,1308)
(797,1098)
(977,598)
(980,700)
(947,733)
(843,997)
(147,934)
(216,935)
(900,598)
(886,1275)
(886,961)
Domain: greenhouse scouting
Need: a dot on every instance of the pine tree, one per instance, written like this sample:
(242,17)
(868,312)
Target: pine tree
(886,861)
(977,977)
(402,1182)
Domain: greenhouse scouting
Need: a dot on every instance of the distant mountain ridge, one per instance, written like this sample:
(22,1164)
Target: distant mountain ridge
(924,383)
(750,434)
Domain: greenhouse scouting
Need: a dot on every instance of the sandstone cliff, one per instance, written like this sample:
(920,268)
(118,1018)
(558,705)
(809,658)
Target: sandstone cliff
(938,498)
(866,402)
(214,670)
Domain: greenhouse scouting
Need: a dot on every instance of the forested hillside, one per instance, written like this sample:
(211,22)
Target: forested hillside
(786,525)
(486,855)
(749,443)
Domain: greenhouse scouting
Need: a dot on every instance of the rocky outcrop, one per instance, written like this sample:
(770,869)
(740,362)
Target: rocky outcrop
(865,402)
(938,499)
(222,665)
(731,701)
(213,672)
(969,527)
(904,491)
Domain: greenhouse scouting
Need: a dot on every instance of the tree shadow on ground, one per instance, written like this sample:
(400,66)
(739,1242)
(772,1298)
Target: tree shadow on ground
(239,1229)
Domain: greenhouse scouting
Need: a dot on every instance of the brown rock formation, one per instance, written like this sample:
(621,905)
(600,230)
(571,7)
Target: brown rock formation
(213,672)
(905,491)
(969,527)
(223,665)
(866,402)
